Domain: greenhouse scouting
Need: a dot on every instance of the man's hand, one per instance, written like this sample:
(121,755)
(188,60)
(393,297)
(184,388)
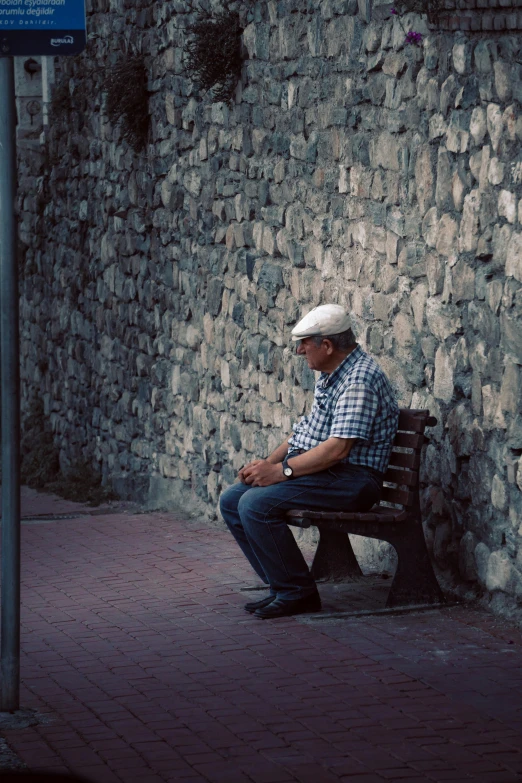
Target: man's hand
(241,473)
(261,473)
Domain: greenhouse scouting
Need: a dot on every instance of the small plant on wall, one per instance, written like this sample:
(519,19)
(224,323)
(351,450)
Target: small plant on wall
(128,100)
(212,54)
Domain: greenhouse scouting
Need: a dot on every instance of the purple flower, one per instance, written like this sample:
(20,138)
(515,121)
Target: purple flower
(394,11)
(413,38)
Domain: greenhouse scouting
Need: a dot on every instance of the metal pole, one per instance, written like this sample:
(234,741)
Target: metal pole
(9,338)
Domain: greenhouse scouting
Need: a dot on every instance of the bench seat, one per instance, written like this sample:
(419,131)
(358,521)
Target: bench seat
(377,514)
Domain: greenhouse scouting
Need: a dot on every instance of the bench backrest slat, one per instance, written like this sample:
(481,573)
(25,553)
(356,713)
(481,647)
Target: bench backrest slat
(401,460)
(406,440)
(412,420)
(399,496)
(408,478)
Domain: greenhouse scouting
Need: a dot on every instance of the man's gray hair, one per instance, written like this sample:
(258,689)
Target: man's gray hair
(341,342)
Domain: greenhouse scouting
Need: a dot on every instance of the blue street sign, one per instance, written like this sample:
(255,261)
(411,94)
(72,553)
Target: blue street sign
(42,27)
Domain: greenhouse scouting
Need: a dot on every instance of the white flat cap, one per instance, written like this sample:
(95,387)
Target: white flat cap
(322,321)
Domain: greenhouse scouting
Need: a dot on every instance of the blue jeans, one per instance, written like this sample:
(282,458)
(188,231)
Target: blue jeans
(256,519)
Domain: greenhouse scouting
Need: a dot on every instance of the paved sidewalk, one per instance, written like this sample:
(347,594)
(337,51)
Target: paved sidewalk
(141,665)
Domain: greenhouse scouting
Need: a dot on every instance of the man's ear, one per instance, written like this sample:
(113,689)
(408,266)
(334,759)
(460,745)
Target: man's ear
(329,346)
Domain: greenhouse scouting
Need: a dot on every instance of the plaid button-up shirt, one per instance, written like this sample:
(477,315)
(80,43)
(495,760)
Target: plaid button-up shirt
(356,400)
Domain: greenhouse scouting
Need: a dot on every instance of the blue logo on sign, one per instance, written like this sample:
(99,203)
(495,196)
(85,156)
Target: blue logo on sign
(68,39)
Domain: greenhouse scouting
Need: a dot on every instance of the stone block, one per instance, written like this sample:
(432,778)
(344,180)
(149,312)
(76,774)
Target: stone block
(444,184)
(192,182)
(411,260)
(441,543)
(372,37)
(482,57)
(493,296)
(374,63)
(431,54)
(496,171)
(395,221)
(493,418)
(510,389)
(447,95)
(461,55)
(395,63)
(214,296)
(230,240)
(437,127)
(385,151)
(511,336)
(383,306)
(304,149)
(435,270)
(392,247)
(499,493)
(365,10)
(460,430)
(443,319)
(315,36)
(443,387)
(342,34)
(501,239)
(344,179)
(468,236)
(475,163)
(510,122)
(478,125)
(430,467)
(424,177)
(270,278)
(495,124)
(463,282)
(404,330)
(377,237)
(430,227)
(360,234)
(458,190)
(484,170)
(507,205)
(419,296)
(499,572)
(446,235)
(503,75)
(388,279)
(360,181)
(482,554)
(468,95)
(467,564)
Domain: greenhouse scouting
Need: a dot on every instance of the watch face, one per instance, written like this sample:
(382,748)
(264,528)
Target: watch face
(288,472)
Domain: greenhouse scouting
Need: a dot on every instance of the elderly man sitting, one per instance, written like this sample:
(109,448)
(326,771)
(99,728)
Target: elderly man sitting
(334,460)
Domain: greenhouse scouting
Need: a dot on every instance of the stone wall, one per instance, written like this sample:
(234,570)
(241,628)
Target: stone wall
(159,289)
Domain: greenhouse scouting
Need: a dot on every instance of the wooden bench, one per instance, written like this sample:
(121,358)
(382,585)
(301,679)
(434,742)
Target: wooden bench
(400,523)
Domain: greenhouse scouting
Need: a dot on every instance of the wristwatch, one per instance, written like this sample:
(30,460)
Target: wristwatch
(287,470)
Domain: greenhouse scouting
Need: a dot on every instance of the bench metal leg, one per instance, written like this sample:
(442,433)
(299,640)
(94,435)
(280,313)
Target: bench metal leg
(334,558)
(414,581)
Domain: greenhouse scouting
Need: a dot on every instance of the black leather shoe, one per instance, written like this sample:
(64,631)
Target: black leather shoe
(253,605)
(280,608)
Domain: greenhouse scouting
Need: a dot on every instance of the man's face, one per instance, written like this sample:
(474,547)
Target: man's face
(317,356)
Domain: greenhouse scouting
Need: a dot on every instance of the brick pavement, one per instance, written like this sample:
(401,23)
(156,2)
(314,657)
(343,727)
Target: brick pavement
(142,666)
